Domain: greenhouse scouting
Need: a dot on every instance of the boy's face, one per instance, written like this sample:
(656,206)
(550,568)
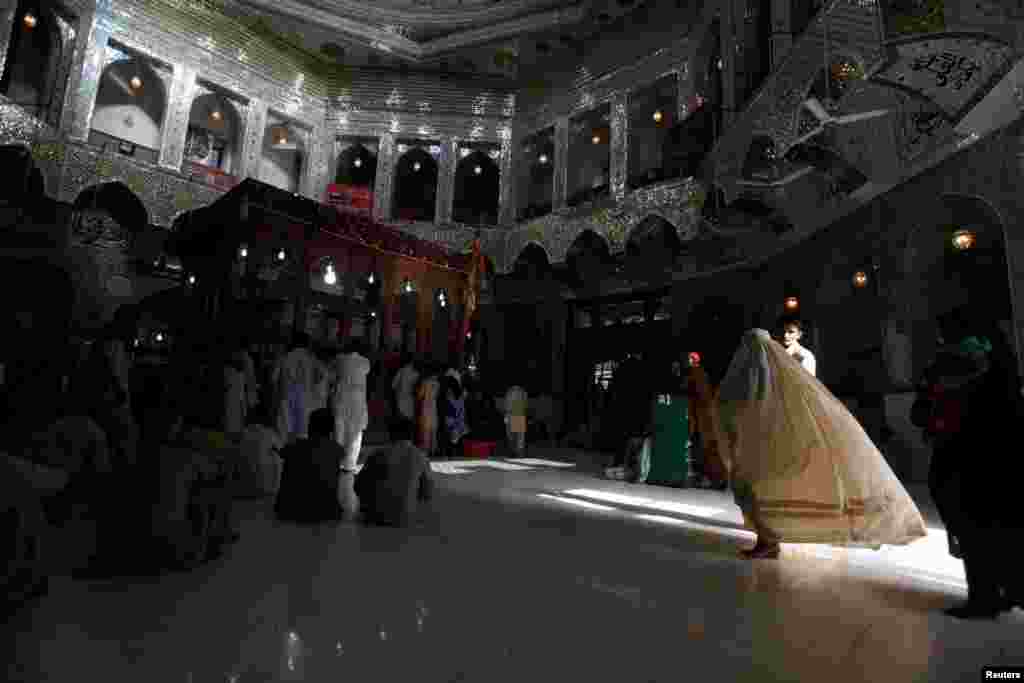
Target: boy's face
(791,335)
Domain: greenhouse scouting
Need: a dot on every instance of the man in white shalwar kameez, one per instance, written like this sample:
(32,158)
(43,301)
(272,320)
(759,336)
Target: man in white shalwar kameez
(348,401)
(295,378)
(792,333)
(803,469)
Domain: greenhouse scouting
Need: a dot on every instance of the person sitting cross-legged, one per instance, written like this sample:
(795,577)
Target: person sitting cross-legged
(394,480)
(309,482)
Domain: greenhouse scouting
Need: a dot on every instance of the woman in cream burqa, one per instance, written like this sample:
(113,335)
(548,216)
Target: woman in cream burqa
(803,469)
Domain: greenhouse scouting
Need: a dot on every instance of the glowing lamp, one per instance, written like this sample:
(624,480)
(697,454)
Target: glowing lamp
(282,140)
(159,337)
(369,278)
(135,83)
(407,287)
(791,303)
(596,139)
(243,251)
(330,277)
(478,170)
(216,115)
(543,158)
(963,240)
(416,166)
(658,116)
(373,314)
(281,256)
(357,163)
(30,20)
(860,279)
(191,279)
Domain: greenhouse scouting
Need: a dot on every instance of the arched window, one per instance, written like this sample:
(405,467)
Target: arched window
(535,175)
(415,186)
(589,175)
(355,176)
(477,180)
(213,134)
(283,155)
(35,59)
(129,111)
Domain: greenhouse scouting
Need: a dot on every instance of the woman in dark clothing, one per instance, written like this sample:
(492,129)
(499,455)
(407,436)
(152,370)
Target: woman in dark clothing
(979,509)
(451,415)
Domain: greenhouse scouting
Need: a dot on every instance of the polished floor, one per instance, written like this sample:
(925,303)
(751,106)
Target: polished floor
(527,571)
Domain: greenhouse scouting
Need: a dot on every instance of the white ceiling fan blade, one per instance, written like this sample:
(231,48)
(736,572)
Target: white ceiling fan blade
(804,138)
(814,106)
(795,175)
(862,116)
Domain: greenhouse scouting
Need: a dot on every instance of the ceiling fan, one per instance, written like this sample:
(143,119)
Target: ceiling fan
(826,120)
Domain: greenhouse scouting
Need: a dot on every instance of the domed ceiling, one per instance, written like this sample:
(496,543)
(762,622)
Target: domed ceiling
(452,34)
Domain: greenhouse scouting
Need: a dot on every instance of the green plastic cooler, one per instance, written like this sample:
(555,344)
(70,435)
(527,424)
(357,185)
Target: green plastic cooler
(670,452)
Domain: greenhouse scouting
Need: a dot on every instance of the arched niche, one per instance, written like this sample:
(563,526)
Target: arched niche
(652,248)
(415,185)
(589,260)
(532,264)
(130,107)
(35,58)
(355,175)
(214,134)
(477,180)
(535,175)
(589,168)
(653,112)
(283,155)
(108,212)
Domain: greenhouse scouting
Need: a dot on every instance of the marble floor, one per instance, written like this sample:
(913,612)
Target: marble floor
(526,571)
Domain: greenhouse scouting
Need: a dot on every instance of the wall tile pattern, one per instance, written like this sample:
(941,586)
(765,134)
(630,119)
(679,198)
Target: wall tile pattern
(387,156)
(446,180)
(179,107)
(619,145)
(507,179)
(561,163)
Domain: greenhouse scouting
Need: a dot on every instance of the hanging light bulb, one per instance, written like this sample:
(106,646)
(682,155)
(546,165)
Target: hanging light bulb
(478,170)
(416,166)
(369,278)
(860,279)
(791,303)
(963,239)
(281,255)
(407,286)
(216,115)
(243,251)
(658,116)
(596,139)
(330,277)
(159,337)
(543,158)
(191,279)
(373,314)
(135,83)
(30,20)
(358,163)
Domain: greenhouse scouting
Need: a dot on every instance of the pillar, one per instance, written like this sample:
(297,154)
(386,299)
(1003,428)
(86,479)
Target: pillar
(179,107)
(561,161)
(446,180)
(7,16)
(319,152)
(619,163)
(507,179)
(727,50)
(782,30)
(383,189)
(94,30)
(252,145)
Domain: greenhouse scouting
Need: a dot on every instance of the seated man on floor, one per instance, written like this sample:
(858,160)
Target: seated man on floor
(394,480)
(309,482)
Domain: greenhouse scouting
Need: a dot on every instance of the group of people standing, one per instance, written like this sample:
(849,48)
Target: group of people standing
(434,397)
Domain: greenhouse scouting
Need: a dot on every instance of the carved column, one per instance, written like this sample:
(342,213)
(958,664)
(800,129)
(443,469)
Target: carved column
(94,29)
(561,161)
(179,106)
(782,30)
(316,172)
(619,171)
(7,16)
(727,50)
(384,186)
(446,180)
(252,142)
(507,179)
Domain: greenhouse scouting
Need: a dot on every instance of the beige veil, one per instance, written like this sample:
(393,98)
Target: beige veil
(815,475)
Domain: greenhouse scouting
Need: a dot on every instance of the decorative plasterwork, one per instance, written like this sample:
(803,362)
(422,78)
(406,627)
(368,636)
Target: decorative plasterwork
(384,185)
(179,107)
(507,179)
(557,231)
(561,163)
(619,143)
(446,180)
(477,26)
(953,70)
